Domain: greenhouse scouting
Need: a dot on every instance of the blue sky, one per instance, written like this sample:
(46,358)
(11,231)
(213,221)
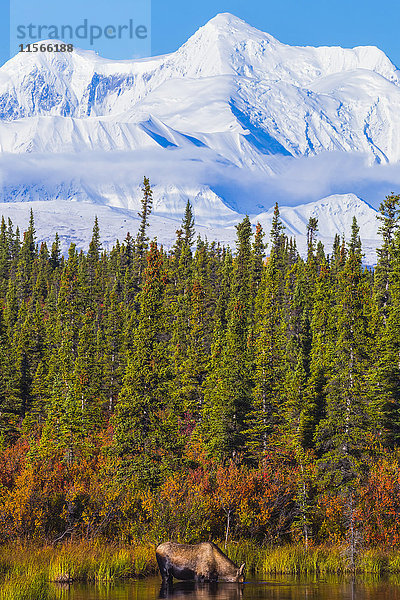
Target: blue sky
(314,22)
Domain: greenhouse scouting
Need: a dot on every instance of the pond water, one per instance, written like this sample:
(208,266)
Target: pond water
(279,588)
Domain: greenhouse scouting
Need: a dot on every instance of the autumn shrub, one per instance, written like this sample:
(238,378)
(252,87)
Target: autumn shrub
(222,501)
(33,507)
(379,505)
(184,509)
(330,518)
(50,499)
(44,500)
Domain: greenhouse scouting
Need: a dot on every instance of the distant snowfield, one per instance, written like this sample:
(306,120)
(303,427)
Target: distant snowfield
(233,120)
(73,221)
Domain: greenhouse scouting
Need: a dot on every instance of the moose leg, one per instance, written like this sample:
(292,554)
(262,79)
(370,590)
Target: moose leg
(165,570)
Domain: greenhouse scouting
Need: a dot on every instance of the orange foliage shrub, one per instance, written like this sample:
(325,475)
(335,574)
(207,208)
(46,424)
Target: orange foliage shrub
(379,506)
(12,460)
(48,496)
(198,504)
(331,517)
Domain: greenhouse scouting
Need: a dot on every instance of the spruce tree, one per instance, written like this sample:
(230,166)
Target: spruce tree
(312,228)
(263,417)
(190,355)
(55,258)
(296,330)
(341,435)
(346,434)
(188,228)
(26,258)
(258,255)
(280,247)
(142,237)
(5,257)
(112,347)
(388,217)
(10,402)
(227,391)
(386,364)
(324,334)
(277,229)
(142,411)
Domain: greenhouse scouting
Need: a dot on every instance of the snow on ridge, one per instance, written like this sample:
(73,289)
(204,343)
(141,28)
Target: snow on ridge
(270,97)
(73,220)
(232,97)
(82,85)
(335,216)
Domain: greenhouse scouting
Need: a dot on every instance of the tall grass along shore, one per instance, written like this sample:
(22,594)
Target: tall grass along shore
(26,571)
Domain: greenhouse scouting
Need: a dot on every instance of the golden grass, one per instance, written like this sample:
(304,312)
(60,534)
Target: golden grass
(296,560)
(25,588)
(79,561)
(26,571)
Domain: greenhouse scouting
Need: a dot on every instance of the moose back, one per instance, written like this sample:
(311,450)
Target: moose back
(197,562)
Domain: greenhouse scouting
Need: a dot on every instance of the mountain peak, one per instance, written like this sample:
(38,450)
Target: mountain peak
(226,45)
(227,23)
(233,108)
(226,19)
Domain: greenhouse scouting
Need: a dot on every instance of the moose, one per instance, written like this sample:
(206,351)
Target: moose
(203,562)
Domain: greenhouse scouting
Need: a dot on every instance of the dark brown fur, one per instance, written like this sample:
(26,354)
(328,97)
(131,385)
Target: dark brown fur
(200,562)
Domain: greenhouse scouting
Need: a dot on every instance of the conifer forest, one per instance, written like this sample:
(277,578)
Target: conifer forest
(201,393)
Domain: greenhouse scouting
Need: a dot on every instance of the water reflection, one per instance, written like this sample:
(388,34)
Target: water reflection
(203,591)
(279,588)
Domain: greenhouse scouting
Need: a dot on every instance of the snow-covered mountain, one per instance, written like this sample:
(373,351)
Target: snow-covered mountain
(232,120)
(230,87)
(335,215)
(74,222)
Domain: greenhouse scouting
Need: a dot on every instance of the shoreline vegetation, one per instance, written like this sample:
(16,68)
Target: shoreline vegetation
(101,562)
(29,572)
(194,394)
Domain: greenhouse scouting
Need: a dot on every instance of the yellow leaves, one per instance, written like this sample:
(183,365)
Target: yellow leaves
(331,509)
(148,502)
(19,511)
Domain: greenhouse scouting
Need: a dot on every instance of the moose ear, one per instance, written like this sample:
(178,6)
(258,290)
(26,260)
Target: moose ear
(242,569)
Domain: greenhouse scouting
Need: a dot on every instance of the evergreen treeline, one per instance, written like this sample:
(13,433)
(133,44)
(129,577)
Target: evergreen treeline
(200,392)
